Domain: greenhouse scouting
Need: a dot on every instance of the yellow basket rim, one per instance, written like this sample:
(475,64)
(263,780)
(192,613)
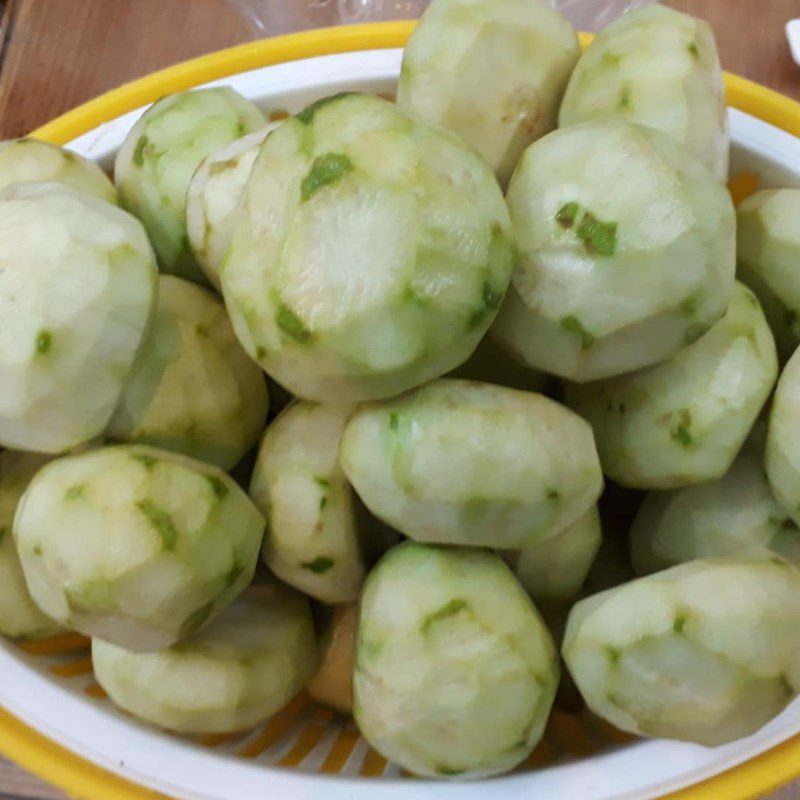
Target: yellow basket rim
(743,94)
(78,777)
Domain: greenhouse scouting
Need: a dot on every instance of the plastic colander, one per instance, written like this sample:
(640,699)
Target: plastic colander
(56,720)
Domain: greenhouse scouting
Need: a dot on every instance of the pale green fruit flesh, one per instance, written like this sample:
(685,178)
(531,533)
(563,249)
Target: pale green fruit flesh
(236,673)
(156,162)
(526,47)
(684,421)
(768,253)
(450,649)
(369,254)
(148,546)
(77,291)
(313,539)
(213,195)
(658,68)
(703,652)
(783,440)
(467,463)
(614,275)
(193,390)
(20,617)
(713,519)
(554,571)
(32,161)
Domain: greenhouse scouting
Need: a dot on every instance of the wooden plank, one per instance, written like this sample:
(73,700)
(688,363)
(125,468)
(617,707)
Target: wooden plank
(62,52)
(787,793)
(751,37)
(6,8)
(15,784)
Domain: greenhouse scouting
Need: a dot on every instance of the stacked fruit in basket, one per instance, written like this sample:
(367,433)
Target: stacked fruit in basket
(469,307)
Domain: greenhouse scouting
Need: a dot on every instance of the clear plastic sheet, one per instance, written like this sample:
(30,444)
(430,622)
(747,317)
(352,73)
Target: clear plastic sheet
(270,17)
(594,15)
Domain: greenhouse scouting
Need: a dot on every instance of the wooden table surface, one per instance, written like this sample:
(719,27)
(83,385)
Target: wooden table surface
(55,54)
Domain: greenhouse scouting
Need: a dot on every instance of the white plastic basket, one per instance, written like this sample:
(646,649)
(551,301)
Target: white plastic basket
(306,752)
